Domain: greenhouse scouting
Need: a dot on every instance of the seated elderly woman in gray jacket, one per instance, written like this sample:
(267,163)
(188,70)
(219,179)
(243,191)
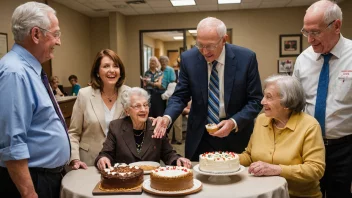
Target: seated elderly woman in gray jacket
(130,139)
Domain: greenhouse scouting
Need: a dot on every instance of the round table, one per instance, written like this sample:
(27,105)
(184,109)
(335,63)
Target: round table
(80,183)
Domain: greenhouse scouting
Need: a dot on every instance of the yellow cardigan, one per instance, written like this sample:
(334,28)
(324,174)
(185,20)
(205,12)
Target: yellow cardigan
(298,149)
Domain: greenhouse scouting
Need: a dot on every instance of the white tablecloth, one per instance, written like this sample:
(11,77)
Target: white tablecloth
(80,183)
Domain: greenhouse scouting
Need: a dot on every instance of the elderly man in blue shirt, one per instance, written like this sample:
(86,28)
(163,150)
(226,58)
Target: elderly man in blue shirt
(34,144)
(168,73)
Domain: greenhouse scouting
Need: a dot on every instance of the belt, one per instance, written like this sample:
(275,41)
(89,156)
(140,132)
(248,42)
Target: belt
(337,141)
(47,170)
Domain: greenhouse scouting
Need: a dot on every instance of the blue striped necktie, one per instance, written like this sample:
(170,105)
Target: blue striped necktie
(322,92)
(214,96)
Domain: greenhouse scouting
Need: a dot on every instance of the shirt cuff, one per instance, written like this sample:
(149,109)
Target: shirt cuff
(170,120)
(234,121)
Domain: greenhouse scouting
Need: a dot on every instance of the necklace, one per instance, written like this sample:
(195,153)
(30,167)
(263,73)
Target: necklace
(110,98)
(139,146)
(139,134)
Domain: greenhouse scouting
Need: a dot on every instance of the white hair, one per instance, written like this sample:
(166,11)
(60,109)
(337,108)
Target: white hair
(290,91)
(164,58)
(29,15)
(134,91)
(211,22)
(331,10)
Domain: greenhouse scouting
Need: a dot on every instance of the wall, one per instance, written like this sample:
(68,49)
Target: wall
(99,35)
(172,45)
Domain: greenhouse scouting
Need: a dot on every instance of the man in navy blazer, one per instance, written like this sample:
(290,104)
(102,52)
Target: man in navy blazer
(239,87)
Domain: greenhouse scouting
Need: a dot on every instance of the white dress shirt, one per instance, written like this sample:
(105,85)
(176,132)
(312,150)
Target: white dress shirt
(109,115)
(338,121)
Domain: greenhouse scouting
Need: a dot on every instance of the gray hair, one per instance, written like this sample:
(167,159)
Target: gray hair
(211,22)
(164,58)
(290,91)
(158,66)
(137,91)
(29,15)
(331,10)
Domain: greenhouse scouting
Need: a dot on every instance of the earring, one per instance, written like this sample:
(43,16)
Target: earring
(98,75)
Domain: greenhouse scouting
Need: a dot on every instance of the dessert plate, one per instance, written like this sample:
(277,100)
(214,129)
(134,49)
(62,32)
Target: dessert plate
(196,168)
(147,166)
(197,186)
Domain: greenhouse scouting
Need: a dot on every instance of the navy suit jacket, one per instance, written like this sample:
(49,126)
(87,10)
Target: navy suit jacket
(242,95)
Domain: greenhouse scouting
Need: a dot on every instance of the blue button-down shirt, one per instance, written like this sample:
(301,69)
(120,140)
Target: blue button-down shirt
(29,126)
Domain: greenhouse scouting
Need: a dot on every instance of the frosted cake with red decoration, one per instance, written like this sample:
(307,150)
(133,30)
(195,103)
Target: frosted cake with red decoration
(219,162)
(171,178)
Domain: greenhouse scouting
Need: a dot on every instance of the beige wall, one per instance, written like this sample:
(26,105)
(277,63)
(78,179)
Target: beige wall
(147,40)
(99,35)
(172,45)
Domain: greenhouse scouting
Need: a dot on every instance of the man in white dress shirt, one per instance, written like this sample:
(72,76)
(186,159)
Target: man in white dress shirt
(333,109)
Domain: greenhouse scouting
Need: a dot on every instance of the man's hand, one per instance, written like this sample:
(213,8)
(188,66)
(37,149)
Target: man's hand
(260,168)
(184,162)
(102,162)
(76,164)
(161,126)
(225,128)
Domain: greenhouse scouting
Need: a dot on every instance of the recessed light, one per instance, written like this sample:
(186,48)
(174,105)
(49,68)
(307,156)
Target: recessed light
(228,1)
(178,37)
(183,2)
(192,31)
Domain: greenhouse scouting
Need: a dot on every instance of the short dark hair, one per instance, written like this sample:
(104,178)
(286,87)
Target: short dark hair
(72,77)
(97,83)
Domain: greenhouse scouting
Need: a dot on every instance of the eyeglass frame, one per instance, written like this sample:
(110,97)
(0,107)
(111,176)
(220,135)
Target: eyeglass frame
(316,33)
(213,46)
(138,107)
(56,34)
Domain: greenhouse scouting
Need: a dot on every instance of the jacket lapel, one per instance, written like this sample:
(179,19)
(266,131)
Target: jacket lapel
(148,132)
(128,136)
(98,108)
(229,74)
(202,70)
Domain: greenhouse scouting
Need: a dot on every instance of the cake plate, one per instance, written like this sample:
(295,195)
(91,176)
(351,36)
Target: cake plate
(216,177)
(197,186)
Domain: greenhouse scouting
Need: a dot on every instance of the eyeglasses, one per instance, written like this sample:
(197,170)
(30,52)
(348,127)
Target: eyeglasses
(210,47)
(315,33)
(138,107)
(56,34)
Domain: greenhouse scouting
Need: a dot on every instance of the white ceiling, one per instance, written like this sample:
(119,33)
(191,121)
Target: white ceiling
(101,8)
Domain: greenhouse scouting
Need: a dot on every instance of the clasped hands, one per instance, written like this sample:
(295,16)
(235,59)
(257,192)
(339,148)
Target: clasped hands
(260,168)
(161,124)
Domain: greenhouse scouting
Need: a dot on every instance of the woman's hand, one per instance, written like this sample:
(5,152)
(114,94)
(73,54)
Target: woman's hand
(260,168)
(76,164)
(184,162)
(102,162)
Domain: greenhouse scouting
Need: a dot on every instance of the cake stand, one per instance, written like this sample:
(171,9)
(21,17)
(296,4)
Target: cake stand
(216,177)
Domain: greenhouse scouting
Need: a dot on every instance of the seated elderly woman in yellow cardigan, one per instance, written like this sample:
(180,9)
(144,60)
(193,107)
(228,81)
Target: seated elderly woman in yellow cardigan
(286,141)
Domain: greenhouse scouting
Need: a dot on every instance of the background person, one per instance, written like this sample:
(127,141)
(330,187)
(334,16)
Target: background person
(325,70)
(286,141)
(95,107)
(54,84)
(34,145)
(130,139)
(151,82)
(235,89)
(75,86)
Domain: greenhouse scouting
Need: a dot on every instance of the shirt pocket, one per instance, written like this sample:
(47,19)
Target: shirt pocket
(344,88)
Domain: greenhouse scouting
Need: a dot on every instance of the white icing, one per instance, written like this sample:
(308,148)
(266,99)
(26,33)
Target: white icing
(122,165)
(111,168)
(219,162)
(116,165)
(122,174)
(171,171)
(136,167)
(106,169)
(113,173)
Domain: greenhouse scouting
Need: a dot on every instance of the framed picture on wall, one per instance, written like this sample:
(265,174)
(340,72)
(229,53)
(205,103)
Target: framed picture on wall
(290,45)
(3,44)
(285,65)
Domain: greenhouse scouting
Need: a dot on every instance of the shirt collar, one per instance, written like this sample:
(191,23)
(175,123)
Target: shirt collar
(221,58)
(28,57)
(336,50)
(291,124)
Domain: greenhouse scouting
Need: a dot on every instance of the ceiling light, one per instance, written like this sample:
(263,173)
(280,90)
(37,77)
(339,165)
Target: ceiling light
(228,1)
(178,37)
(192,31)
(183,2)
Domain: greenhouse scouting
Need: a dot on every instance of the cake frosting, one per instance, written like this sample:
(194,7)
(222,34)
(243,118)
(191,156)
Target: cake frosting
(219,162)
(121,176)
(171,178)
